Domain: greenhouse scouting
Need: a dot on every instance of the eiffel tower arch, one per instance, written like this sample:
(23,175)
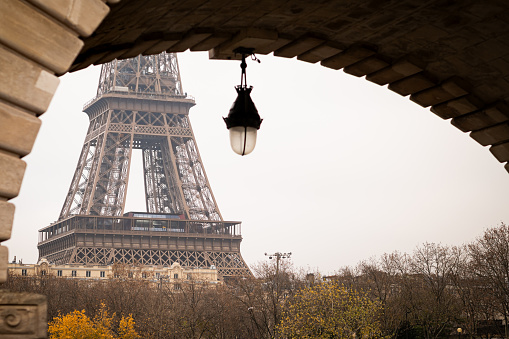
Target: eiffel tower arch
(140,105)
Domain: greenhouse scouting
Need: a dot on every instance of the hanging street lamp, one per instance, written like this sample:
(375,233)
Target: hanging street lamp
(243,121)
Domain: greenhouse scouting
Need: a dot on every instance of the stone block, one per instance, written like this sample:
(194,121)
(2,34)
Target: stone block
(366,66)
(24,83)
(401,69)
(18,129)
(492,49)
(321,52)
(6,220)
(501,152)
(412,84)
(83,16)
(457,107)
(211,42)
(492,135)
(139,48)
(110,56)
(274,45)
(4,264)
(12,169)
(486,117)
(350,56)
(165,41)
(38,37)
(427,33)
(248,38)
(448,90)
(192,38)
(298,46)
(22,315)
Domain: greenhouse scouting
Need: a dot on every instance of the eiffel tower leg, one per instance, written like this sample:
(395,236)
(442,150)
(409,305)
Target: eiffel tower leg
(173,191)
(194,184)
(79,192)
(110,183)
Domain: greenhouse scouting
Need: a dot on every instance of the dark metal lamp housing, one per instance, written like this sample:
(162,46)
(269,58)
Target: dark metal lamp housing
(243,121)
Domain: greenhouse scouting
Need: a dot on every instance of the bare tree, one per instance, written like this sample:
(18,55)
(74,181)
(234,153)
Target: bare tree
(490,263)
(432,300)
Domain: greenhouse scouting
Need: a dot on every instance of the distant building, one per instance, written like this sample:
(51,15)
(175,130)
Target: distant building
(175,274)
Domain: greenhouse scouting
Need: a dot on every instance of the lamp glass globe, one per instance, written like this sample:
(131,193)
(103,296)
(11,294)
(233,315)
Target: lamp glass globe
(243,139)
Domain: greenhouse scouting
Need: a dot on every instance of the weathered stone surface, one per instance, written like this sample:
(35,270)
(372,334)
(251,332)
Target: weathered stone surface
(399,70)
(138,49)
(12,169)
(501,152)
(81,15)
(492,135)
(36,36)
(321,52)
(18,129)
(22,315)
(4,261)
(489,116)
(350,56)
(190,39)
(412,84)
(211,42)
(164,42)
(448,90)
(110,56)
(298,46)
(250,38)
(6,219)
(24,83)
(456,107)
(428,33)
(366,66)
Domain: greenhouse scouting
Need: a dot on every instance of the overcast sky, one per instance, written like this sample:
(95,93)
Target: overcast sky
(343,169)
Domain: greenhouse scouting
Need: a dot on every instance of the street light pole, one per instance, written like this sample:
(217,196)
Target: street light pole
(278,256)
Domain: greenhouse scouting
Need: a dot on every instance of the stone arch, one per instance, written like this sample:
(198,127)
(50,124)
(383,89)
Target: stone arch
(450,56)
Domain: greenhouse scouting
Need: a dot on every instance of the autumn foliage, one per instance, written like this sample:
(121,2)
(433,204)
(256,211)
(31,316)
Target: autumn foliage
(329,310)
(426,294)
(77,325)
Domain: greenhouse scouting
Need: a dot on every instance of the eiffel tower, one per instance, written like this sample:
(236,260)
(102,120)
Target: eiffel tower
(140,105)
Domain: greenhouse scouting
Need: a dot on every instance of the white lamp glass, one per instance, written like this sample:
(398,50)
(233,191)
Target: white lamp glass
(243,139)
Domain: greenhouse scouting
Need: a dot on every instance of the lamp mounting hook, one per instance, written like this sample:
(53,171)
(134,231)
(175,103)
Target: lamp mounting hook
(243,65)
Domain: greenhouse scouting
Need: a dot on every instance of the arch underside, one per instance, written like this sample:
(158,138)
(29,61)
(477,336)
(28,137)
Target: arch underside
(450,56)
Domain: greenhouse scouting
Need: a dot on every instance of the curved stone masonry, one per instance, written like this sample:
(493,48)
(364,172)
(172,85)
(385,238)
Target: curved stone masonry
(450,56)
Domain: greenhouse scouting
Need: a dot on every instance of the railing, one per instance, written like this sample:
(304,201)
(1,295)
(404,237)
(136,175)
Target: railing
(141,95)
(133,224)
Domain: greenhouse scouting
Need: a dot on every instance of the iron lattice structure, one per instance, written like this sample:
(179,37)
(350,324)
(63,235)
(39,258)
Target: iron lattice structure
(140,105)
(144,240)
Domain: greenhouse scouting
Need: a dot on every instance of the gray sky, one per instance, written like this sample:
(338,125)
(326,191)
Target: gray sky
(343,169)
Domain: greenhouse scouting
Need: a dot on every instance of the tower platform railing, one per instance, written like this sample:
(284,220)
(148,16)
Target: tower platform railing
(134,225)
(140,95)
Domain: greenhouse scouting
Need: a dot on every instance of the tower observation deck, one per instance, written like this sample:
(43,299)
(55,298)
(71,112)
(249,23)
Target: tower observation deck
(140,105)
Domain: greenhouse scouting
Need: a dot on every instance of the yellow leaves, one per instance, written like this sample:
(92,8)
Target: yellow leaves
(126,328)
(73,325)
(330,311)
(77,325)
